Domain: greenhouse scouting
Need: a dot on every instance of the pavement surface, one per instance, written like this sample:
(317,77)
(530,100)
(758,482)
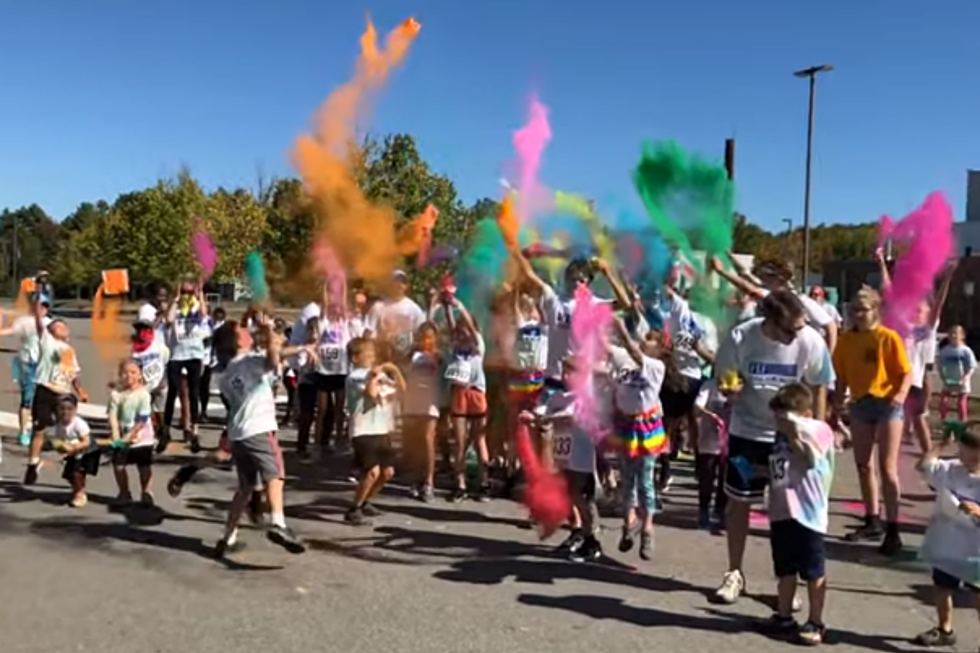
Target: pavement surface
(97,580)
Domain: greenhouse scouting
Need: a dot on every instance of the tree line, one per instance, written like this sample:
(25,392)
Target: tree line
(148,231)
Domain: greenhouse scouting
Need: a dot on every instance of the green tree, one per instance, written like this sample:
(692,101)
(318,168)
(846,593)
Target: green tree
(36,242)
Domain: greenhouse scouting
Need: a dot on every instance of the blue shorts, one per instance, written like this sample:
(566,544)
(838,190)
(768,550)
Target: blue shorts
(875,410)
(26,373)
(796,550)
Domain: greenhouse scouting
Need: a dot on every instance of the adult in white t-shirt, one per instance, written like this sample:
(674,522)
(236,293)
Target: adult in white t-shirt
(819,296)
(25,363)
(397,317)
(767,353)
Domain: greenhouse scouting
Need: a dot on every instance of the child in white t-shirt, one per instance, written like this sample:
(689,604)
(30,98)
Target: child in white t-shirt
(75,441)
(421,408)
(130,410)
(952,541)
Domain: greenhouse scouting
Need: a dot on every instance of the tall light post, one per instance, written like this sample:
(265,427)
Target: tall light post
(789,235)
(810,73)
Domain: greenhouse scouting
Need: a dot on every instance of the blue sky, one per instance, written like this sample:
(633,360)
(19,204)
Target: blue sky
(104,96)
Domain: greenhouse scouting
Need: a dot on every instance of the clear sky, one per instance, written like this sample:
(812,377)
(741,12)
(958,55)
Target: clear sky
(105,96)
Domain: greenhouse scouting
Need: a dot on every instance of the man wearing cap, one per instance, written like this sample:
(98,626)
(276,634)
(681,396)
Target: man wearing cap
(25,364)
(396,317)
(42,285)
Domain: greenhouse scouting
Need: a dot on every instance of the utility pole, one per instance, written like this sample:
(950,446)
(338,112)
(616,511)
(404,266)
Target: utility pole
(811,74)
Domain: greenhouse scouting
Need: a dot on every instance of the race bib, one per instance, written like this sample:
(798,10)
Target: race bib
(331,359)
(528,353)
(402,342)
(779,469)
(152,373)
(562,447)
(458,372)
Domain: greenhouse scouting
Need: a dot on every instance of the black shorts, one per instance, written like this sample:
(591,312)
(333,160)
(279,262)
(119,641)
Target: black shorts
(580,484)
(747,470)
(372,451)
(677,404)
(307,393)
(330,382)
(138,456)
(86,464)
(796,550)
(44,409)
(950,582)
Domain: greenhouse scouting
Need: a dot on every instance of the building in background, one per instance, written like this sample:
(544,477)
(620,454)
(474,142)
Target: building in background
(967,233)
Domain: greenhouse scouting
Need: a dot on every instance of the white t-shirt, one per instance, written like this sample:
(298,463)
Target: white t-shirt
(25,328)
(73,432)
(465,367)
(247,387)
(531,347)
(952,542)
(572,448)
(369,415)
(557,313)
(766,366)
(816,316)
(638,386)
(152,362)
(831,310)
(710,431)
(424,386)
(132,408)
(685,329)
(920,345)
(332,347)
(57,365)
(397,321)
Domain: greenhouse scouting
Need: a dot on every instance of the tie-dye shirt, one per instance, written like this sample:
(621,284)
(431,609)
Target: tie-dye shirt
(800,487)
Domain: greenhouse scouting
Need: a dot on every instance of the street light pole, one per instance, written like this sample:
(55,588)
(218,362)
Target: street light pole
(810,73)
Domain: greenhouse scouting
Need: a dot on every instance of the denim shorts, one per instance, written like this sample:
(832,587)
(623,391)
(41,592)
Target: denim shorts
(875,410)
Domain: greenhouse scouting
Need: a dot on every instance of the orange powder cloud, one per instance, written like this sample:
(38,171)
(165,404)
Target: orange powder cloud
(363,234)
(108,331)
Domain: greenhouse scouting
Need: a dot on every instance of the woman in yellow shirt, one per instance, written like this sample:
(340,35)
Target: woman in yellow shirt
(872,364)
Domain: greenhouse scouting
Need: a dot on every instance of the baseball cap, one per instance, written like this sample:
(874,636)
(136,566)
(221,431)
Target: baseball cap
(146,315)
(399,275)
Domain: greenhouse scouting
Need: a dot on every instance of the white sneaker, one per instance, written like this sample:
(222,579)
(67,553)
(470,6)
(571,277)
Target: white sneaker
(797,603)
(732,587)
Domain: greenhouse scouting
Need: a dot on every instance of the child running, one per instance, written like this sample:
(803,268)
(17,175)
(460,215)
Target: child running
(247,387)
(75,441)
(953,535)
(639,431)
(371,393)
(130,410)
(801,469)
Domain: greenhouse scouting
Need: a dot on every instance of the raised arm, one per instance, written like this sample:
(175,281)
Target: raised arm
(739,282)
(631,347)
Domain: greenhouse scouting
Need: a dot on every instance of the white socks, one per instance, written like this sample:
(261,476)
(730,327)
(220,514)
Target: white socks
(279,519)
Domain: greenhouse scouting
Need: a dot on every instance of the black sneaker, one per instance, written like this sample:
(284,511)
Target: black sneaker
(222,548)
(936,637)
(483,494)
(370,511)
(284,537)
(891,545)
(626,540)
(778,626)
(572,542)
(193,442)
(590,551)
(426,494)
(30,476)
(458,495)
(356,517)
(869,531)
(163,439)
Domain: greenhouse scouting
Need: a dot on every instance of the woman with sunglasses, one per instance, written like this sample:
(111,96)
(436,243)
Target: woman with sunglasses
(871,363)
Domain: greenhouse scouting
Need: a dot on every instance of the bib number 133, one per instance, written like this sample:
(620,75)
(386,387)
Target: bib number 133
(778,469)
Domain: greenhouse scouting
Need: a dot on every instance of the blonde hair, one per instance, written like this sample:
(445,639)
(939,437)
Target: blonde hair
(869,296)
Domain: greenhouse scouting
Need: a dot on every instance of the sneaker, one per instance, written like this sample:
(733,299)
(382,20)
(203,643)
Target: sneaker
(146,500)
(30,476)
(284,537)
(589,551)
(427,494)
(415,492)
(626,539)
(163,440)
(222,548)
(305,457)
(778,626)
(869,531)
(370,511)
(811,634)
(24,439)
(176,483)
(936,637)
(891,545)
(122,499)
(483,494)
(458,495)
(355,517)
(646,546)
(732,587)
(78,501)
(193,442)
(666,484)
(704,520)
(572,542)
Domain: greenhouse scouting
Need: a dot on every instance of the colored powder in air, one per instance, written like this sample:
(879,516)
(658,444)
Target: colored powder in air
(363,234)
(590,324)
(507,222)
(255,276)
(545,493)
(927,237)
(327,265)
(530,142)
(205,251)
(108,332)
(482,269)
(690,201)
(584,210)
